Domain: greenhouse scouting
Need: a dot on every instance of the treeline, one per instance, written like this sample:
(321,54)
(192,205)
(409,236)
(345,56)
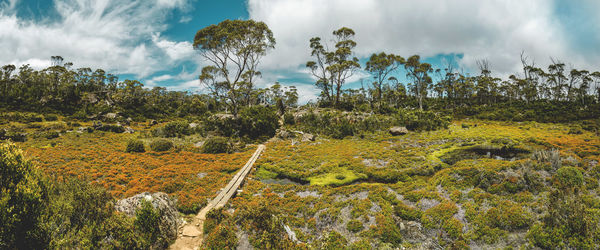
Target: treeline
(86,94)
(440,89)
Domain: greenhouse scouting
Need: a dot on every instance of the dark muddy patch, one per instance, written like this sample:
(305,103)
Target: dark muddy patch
(484,151)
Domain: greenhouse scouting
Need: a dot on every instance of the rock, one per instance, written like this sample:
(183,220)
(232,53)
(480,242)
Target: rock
(110,116)
(284,134)
(129,130)
(152,123)
(90,98)
(398,130)
(82,129)
(193,125)
(223,116)
(308,137)
(169,220)
(199,144)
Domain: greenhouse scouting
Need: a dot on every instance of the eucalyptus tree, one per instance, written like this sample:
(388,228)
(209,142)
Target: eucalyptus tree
(333,68)
(419,73)
(381,66)
(234,49)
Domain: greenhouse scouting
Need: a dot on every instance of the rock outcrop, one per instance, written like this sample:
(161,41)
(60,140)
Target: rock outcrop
(308,137)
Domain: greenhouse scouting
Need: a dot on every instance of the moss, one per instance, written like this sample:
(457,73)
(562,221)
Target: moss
(333,178)
(262,173)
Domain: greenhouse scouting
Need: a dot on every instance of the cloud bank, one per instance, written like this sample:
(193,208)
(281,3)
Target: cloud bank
(121,36)
(494,30)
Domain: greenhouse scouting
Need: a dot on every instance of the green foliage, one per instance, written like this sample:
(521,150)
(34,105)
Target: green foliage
(147,221)
(85,216)
(266,223)
(288,119)
(440,217)
(160,145)
(333,241)
(222,237)
(110,128)
(354,226)
(216,145)
(50,117)
(136,146)
(509,216)
(214,217)
(234,47)
(22,195)
(407,213)
(173,129)
(258,122)
(422,120)
(570,223)
(569,177)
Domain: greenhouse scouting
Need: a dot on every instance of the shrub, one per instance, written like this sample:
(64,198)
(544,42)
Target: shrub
(147,221)
(50,117)
(354,226)
(135,146)
(569,177)
(216,145)
(111,128)
(160,145)
(341,129)
(16,136)
(222,237)
(51,135)
(22,197)
(173,129)
(288,119)
(258,122)
(419,120)
(407,213)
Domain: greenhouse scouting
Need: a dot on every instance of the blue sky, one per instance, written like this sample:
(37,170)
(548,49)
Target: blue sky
(151,40)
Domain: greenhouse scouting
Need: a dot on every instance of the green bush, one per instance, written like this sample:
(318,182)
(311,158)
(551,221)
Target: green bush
(216,145)
(135,146)
(16,136)
(111,128)
(50,117)
(160,145)
(569,177)
(407,213)
(258,122)
(147,221)
(173,129)
(419,120)
(288,119)
(22,195)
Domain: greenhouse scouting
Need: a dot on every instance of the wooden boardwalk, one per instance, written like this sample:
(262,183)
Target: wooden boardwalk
(191,236)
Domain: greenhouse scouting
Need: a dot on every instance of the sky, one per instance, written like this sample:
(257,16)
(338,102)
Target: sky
(151,40)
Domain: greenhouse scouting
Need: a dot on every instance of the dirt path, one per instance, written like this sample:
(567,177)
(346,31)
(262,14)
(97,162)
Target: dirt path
(190,236)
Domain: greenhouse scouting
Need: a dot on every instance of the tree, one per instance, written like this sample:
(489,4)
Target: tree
(380,66)
(333,68)
(234,48)
(419,73)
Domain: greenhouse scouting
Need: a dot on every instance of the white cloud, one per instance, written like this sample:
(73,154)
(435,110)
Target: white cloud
(120,36)
(175,50)
(495,30)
